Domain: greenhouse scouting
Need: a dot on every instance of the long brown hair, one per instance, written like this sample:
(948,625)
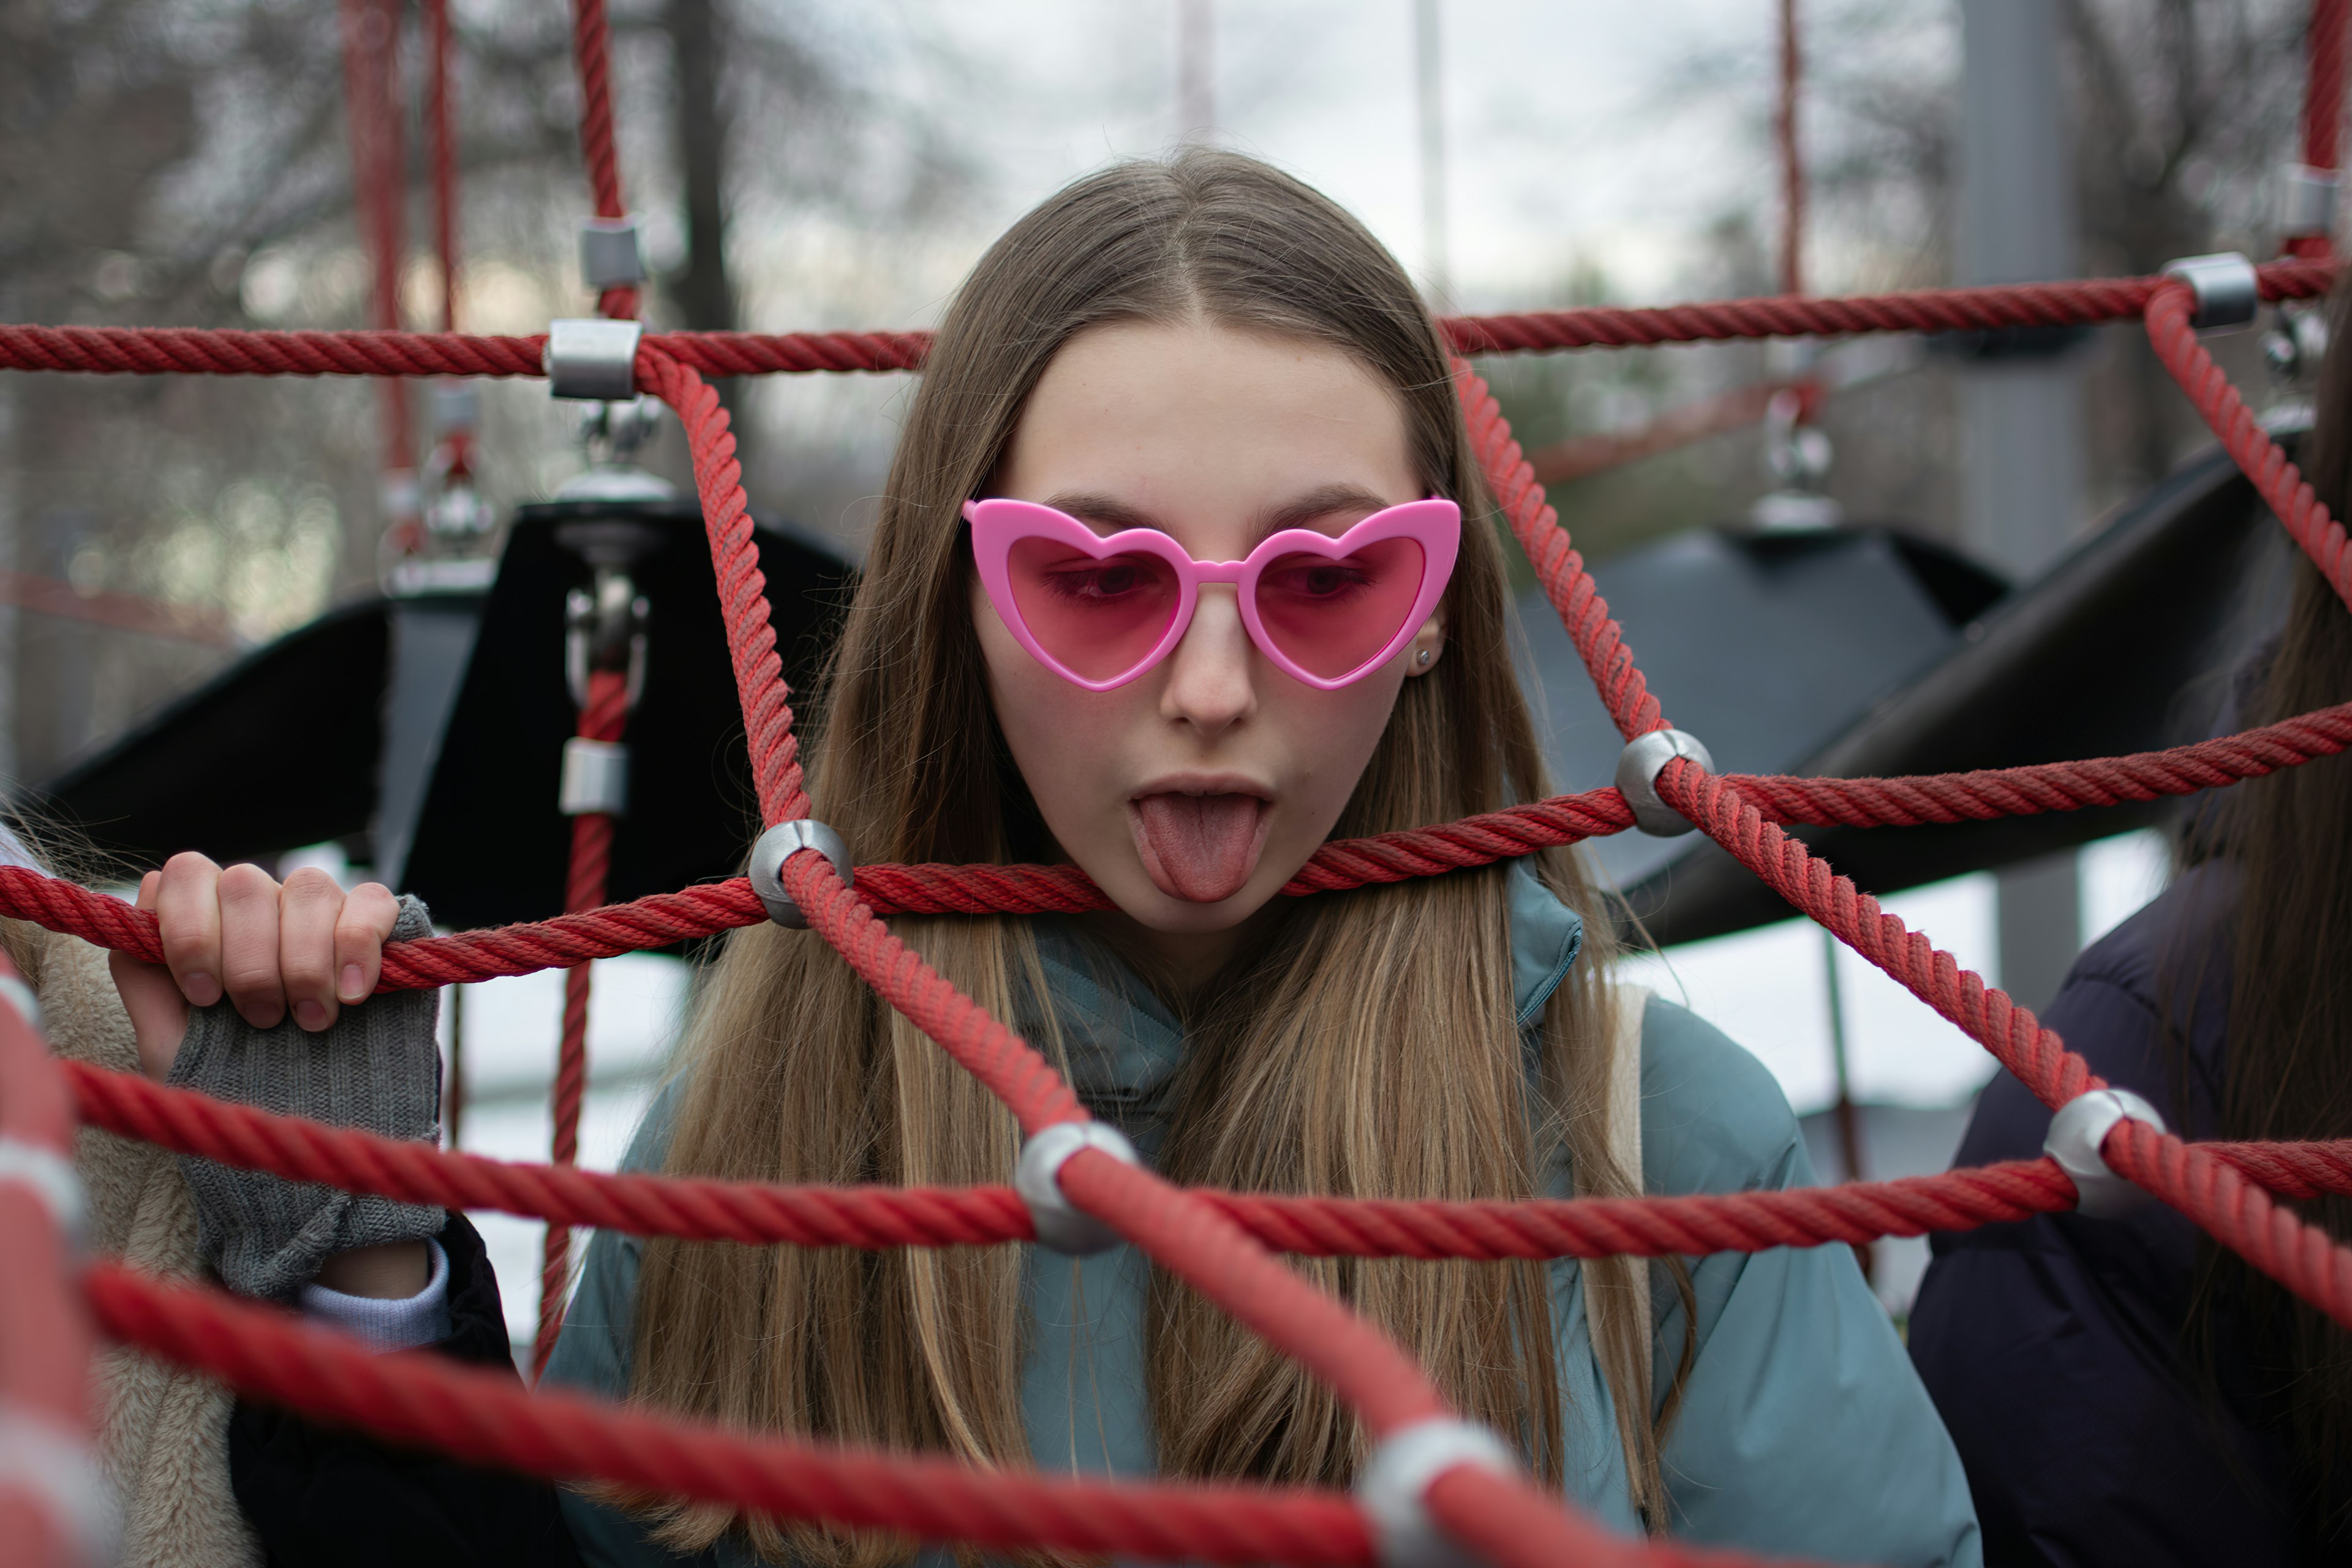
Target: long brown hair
(2288,1072)
(1299,1077)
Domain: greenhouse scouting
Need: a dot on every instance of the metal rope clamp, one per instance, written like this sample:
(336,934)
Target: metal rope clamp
(592,359)
(610,255)
(780,844)
(1393,1487)
(1062,1225)
(1638,766)
(2075,1135)
(2227,290)
(2306,199)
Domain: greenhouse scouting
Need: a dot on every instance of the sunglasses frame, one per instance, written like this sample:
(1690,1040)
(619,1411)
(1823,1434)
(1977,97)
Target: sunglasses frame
(998,524)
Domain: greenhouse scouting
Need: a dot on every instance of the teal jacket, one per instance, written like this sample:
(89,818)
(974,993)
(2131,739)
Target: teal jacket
(1802,1428)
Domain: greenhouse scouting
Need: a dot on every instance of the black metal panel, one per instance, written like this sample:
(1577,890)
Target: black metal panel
(278,750)
(1765,646)
(491,846)
(2124,645)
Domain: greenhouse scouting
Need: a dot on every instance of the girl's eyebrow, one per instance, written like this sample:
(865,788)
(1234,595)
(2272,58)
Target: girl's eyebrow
(1319,503)
(1109,514)
(1105,514)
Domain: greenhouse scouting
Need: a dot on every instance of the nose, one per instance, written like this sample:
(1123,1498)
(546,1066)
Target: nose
(1210,685)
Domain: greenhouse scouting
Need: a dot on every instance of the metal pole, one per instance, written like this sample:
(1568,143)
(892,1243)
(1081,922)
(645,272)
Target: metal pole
(1428,81)
(2022,480)
(1847,1116)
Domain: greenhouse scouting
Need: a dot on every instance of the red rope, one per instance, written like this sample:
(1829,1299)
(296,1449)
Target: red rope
(427,1400)
(151,351)
(187,351)
(2322,111)
(592,48)
(2236,1212)
(45,1335)
(602,718)
(371,30)
(2280,483)
(440,110)
(742,589)
(664,919)
(874,1217)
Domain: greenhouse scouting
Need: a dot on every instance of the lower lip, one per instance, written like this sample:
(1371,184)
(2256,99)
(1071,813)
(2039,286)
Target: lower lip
(1201,849)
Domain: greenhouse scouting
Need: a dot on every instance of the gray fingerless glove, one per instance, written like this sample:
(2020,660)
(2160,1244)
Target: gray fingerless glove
(378,1068)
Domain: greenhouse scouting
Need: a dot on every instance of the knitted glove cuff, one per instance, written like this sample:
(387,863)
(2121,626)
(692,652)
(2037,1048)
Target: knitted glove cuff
(377,1067)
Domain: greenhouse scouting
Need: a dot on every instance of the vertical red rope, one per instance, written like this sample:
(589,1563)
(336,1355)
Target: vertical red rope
(592,47)
(603,718)
(441,111)
(1793,166)
(371,30)
(44,1334)
(2323,109)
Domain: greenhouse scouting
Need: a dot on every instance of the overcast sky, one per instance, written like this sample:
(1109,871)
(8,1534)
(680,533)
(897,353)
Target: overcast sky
(1572,133)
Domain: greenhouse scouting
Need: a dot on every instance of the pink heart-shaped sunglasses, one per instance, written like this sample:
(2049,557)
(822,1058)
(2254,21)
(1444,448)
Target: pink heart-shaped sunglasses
(1099,611)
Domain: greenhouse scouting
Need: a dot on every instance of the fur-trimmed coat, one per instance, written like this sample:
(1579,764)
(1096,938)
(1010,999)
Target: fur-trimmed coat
(163,1437)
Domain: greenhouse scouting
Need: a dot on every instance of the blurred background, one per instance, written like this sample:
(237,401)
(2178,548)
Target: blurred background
(809,163)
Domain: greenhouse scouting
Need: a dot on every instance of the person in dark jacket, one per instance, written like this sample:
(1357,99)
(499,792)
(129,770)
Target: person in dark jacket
(2124,1391)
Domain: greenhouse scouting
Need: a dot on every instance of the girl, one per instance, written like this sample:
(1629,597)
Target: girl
(2122,1390)
(1167,367)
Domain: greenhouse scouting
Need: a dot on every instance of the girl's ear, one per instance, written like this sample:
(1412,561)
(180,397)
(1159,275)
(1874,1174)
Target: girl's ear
(1420,654)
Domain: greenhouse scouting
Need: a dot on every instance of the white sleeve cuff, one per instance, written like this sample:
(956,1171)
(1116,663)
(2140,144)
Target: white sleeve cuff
(402,1322)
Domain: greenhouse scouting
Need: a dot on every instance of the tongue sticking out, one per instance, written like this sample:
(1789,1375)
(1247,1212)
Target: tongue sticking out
(1198,847)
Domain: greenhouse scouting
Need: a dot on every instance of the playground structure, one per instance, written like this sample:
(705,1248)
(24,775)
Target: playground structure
(1432,1479)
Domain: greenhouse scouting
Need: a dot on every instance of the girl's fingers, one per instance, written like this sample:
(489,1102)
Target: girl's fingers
(310,911)
(369,913)
(186,897)
(249,945)
(159,1013)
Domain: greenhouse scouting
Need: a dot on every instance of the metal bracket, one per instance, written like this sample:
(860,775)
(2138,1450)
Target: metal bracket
(609,256)
(596,628)
(1638,766)
(1062,1225)
(593,360)
(2227,290)
(1393,1487)
(780,844)
(2078,1129)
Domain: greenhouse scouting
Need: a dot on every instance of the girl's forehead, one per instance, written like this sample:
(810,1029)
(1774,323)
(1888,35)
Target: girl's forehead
(1198,426)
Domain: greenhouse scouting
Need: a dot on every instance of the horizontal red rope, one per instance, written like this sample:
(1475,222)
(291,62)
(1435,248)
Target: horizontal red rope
(163,349)
(2065,304)
(421,1398)
(159,351)
(875,1218)
(2051,786)
(705,910)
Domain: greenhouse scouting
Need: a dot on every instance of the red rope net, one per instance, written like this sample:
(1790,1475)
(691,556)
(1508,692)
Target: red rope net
(1224,1243)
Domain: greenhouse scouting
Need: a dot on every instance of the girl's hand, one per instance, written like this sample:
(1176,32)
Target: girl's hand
(307,945)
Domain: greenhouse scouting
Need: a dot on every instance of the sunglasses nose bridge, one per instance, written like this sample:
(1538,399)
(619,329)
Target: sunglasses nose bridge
(1218,570)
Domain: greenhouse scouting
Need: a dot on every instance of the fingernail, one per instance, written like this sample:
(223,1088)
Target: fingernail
(200,988)
(354,984)
(311,1016)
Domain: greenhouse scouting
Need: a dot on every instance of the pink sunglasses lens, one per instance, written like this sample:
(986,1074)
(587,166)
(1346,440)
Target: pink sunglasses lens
(1098,617)
(1329,615)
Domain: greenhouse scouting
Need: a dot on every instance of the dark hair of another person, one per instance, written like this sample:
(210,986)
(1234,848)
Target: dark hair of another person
(2288,1073)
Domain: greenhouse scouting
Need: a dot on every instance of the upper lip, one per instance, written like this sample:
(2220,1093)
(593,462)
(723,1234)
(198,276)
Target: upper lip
(1203,783)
